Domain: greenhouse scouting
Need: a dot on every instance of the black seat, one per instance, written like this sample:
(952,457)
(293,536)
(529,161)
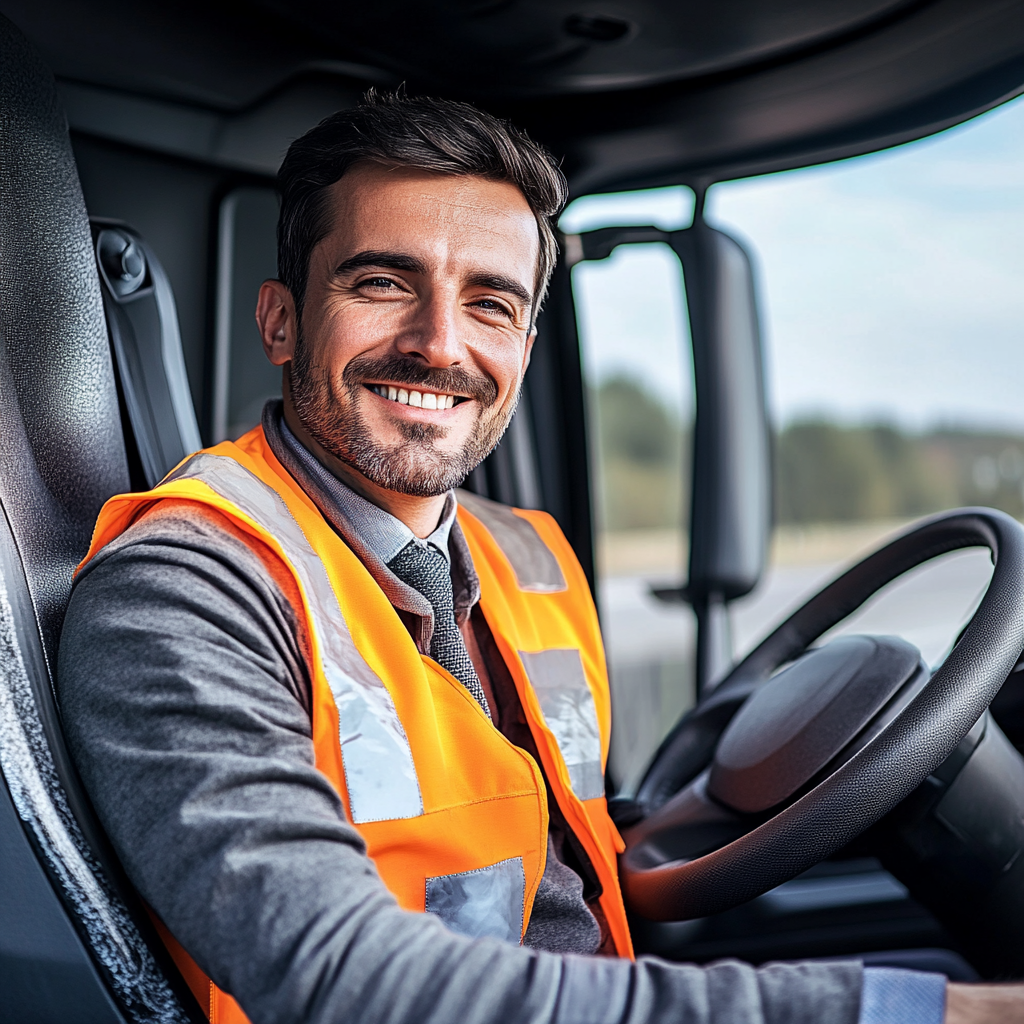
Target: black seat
(75,944)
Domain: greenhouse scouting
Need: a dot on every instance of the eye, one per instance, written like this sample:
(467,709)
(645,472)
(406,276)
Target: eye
(384,283)
(493,306)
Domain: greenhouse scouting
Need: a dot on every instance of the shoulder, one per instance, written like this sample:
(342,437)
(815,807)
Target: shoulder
(532,541)
(172,525)
(181,587)
(187,534)
(189,557)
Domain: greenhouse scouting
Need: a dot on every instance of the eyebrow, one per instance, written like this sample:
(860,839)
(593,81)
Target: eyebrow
(381,258)
(500,283)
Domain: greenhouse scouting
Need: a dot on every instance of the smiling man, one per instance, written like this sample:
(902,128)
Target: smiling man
(346,726)
(421,302)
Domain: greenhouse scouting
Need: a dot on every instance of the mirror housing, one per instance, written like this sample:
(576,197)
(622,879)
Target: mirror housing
(731,493)
(731,510)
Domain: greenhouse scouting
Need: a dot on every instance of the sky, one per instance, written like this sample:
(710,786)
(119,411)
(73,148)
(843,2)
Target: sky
(631,307)
(891,286)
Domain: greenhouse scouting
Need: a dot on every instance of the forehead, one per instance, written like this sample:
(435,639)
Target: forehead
(446,216)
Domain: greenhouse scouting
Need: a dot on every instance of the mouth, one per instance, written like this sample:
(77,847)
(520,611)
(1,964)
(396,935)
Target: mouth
(416,397)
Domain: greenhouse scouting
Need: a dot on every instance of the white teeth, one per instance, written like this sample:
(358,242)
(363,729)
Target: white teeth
(417,399)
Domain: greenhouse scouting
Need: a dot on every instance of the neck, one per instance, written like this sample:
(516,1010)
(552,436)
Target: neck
(421,515)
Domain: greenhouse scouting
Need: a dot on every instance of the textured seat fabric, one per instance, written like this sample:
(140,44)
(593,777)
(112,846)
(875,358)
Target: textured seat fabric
(61,446)
(61,456)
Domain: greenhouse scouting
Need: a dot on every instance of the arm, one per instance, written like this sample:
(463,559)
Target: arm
(984,1004)
(184,696)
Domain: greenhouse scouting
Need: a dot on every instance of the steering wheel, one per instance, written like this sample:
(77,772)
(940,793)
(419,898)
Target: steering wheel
(804,759)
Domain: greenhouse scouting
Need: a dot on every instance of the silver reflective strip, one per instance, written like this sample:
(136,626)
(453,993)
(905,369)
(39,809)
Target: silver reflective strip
(534,563)
(569,710)
(379,770)
(485,903)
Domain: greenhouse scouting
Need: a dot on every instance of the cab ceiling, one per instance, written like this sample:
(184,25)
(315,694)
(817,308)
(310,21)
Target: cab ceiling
(635,93)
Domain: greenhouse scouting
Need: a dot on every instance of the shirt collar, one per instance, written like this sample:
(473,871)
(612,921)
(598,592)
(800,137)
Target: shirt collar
(382,533)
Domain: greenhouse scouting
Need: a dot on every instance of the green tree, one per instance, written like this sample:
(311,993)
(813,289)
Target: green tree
(633,425)
(826,472)
(638,462)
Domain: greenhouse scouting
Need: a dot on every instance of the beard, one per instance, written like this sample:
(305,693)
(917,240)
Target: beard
(414,465)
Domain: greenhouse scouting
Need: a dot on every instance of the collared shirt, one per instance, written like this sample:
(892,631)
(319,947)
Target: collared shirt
(383,533)
(376,537)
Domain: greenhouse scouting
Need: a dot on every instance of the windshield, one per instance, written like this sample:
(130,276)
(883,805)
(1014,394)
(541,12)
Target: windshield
(893,318)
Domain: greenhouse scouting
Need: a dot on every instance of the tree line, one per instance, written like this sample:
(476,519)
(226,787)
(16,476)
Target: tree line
(824,471)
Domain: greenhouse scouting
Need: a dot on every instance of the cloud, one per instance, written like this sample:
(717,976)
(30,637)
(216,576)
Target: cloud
(893,285)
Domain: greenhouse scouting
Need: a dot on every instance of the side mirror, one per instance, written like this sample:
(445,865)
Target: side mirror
(731,496)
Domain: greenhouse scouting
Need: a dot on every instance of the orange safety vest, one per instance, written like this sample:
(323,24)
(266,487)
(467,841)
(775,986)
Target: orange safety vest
(454,815)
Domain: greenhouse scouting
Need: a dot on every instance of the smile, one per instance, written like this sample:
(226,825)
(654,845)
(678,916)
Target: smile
(417,399)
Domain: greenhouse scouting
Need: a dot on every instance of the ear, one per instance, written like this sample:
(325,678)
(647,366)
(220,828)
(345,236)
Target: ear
(531,338)
(275,317)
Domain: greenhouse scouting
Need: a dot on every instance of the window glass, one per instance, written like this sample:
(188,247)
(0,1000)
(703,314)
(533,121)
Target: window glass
(893,309)
(634,337)
(243,377)
(667,208)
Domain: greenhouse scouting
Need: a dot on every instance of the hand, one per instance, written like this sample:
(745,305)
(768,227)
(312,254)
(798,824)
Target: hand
(984,1004)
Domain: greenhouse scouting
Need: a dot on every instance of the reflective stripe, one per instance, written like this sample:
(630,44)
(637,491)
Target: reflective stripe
(379,772)
(570,713)
(484,903)
(534,563)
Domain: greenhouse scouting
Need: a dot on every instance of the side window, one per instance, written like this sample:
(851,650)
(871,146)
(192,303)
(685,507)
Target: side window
(243,378)
(634,339)
(892,304)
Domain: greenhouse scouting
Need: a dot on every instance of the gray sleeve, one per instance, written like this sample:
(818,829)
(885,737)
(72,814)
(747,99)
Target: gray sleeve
(185,703)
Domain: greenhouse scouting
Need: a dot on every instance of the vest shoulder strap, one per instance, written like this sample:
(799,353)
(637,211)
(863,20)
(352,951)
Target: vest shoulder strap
(534,563)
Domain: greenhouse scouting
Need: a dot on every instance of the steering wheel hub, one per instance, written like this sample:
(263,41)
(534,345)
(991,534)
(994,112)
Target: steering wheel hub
(804,716)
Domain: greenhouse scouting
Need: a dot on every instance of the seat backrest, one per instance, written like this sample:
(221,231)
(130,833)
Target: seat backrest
(62,453)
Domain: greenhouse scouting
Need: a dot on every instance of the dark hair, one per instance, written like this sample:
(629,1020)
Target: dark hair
(431,134)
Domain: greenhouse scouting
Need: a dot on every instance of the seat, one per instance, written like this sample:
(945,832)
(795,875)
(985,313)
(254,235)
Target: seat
(75,943)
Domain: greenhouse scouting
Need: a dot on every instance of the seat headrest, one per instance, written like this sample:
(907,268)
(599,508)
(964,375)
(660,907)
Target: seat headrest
(61,442)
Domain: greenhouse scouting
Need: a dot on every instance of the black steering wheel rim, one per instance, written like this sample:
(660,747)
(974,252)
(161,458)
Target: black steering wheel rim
(889,767)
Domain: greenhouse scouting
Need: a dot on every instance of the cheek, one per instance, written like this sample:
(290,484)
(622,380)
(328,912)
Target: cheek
(500,353)
(507,367)
(350,330)
(506,374)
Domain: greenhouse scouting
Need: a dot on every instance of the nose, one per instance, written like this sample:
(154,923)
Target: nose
(433,335)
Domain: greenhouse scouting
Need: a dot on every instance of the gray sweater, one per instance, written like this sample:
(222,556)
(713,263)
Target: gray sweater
(185,699)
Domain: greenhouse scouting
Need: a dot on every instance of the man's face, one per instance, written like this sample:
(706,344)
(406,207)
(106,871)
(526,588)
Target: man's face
(415,332)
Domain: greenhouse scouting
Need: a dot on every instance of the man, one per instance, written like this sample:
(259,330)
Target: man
(347,730)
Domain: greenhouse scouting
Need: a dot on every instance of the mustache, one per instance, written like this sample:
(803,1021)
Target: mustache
(400,370)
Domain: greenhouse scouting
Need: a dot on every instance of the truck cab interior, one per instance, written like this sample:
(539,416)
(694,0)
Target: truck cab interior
(822,796)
